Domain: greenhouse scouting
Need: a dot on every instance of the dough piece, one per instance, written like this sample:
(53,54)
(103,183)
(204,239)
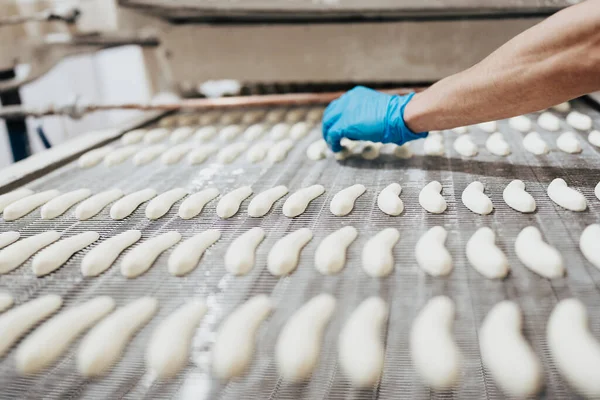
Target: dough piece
(230,117)
(253,132)
(435,355)
(295,115)
(240,255)
(403,152)
(588,243)
(6,301)
(156,135)
(148,154)
(388,200)
(60,204)
(234,346)
(118,156)
(181,134)
(548,121)
(534,143)
(314,114)
(377,255)
(343,201)
(297,203)
(574,349)
(128,204)
(209,117)
(485,256)
(230,132)
(205,133)
(258,151)
(433,145)
(317,150)
(506,354)
(566,197)
(568,143)
(330,256)
(431,253)
(520,123)
(537,255)
(597,191)
(475,200)
(18,321)
(230,203)
(279,151)
(194,204)
(285,253)
(35,354)
(465,146)
(16,195)
(101,257)
(262,203)
(299,130)
(431,198)
(562,107)
(93,205)
(229,154)
(175,154)
(579,121)
(133,137)
(186,255)
(8,237)
(169,347)
(201,153)
(299,343)
(102,347)
(594,138)
(275,115)
(360,346)
(253,116)
(24,206)
(489,127)
(54,256)
(280,131)
(141,258)
(161,204)
(94,157)
(516,197)
(460,130)
(17,253)
(496,145)
(371,150)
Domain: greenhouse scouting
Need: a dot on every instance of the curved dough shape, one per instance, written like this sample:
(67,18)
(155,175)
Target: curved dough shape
(127,205)
(465,146)
(314,114)
(194,204)
(24,206)
(17,253)
(489,127)
(230,203)
(285,253)
(485,256)
(229,154)
(537,255)
(533,143)
(588,243)
(360,349)
(118,156)
(133,137)
(35,354)
(240,255)
(60,204)
(141,258)
(279,131)
(299,130)
(562,107)
(275,115)
(279,151)
(148,154)
(6,301)
(548,121)
(169,347)
(435,355)
(230,117)
(516,197)
(496,145)
(568,143)
(205,133)
(371,150)
(377,255)
(388,200)
(253,116)
(520,123)
(594,138)
(93,205)
(506,354)
(475,200)
(343,201)
(102,347)
(433,145)
(101,257)
(201,153)
(234,346)
(156,135)
(579,121)
(186,255)
(403,152)
(8,237)
(175,154)
(258,152)
(330,256)
(295,115)
(253,132)
(94,157)
(297,203)
(54,256)
(299,343)
(566,197)
(161,204)
(431,199)
(181,134)
(230,132)
(431,253)
(8,198)
(597,191)
(262,203)
(460,130)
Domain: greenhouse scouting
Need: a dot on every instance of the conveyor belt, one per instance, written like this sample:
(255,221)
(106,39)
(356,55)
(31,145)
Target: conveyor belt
(406,289)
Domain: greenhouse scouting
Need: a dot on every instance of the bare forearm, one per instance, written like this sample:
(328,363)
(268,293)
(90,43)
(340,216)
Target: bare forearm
(554,61)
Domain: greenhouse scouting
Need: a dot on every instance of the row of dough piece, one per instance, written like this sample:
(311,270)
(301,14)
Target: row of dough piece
(437,359)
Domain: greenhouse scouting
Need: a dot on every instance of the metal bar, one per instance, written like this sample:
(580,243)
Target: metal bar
(16,128)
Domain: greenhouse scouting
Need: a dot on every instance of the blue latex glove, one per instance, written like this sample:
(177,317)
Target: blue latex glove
(366,114)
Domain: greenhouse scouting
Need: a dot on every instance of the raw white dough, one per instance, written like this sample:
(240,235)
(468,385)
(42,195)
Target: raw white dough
(435,355)
(520,123)
(140,259)
(343,201)
(360,346)
(181,134)
(389,201)
(169,346)
(6,301)
(127,205)
(431,199)
(205,133)
(156,135)
(497,145)
(103,345)
(253,116)
(403,152)
(562,107)
(298,201)
(253,132)
(55,255)
(485,256)
(317,150)
(594,138)
(431,253)
(330,256)
(17,253)
(516,197)
(199,154)
(299,344)
(234,346)
(460,130)
(506,354)
(533,143)
(133,137)
(60,204)
(588,243)
(174,154)
(579,121)
(27,204)
(93,205)
(566,197)
(148,154)
(161,204)
(35,353)
(94,157)
(240,255)
(262,203)
(194,204)
(489,127)
(275,115)
(433,145)
(284,256)
(228,154)
(475,200)
(568,143)
(279,131)
(377,255)
(230,203)
(279,151)
(548,121)
(465,146)
(299,130)
(10,197)
(537,255)
(314,114)
(295,115)
(258,151)
(8,237)
(187,254)
(118,156)
(230,132)
(101,257)
(597,191)
(371,150)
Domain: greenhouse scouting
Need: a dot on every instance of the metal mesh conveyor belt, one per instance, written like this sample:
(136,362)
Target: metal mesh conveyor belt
(406,289)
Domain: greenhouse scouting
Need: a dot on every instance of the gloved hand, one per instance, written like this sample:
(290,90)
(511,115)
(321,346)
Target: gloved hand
(366,114)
